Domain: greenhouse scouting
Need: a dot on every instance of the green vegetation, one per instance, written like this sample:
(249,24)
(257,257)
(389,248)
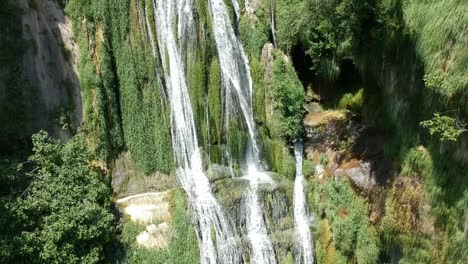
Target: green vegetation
(448,128)
(122,98)
(254,32)
(344,234)
(288,96)
(410,56)
(64,214)
(351,101)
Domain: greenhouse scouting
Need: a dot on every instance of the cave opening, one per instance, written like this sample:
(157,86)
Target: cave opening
(326,91)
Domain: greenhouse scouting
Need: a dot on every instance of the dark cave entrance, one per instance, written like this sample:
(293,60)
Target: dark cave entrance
(328,92)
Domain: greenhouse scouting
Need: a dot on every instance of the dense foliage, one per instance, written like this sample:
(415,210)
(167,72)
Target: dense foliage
(123,98)
(288,95)
(411,59)
(64,214)
(346,221)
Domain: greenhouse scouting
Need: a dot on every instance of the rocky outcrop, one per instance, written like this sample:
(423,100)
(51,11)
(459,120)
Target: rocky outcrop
(276,200)
(359,173)
(342,146)
(146,209)
(326,128)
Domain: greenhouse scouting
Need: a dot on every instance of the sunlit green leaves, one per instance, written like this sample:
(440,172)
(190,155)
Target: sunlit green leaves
(445,127)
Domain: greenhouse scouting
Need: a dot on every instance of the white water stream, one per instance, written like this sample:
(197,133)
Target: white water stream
(303,248)
(208,212)
(237,83)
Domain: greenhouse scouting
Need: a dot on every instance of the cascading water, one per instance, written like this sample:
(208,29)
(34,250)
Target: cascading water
(237,83)
(208,212)
(272,22)
(303,247)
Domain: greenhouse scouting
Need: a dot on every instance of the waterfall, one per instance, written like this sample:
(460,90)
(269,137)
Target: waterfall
(209,214)
(272,23)
(237,83)
(303,247)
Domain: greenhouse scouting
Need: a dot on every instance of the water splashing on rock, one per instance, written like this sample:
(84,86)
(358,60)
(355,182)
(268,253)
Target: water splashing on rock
(303,248)
(212,222)
(237,83)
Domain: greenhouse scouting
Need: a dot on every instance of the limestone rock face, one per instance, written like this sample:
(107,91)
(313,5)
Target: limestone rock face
(51,65)
(146,208)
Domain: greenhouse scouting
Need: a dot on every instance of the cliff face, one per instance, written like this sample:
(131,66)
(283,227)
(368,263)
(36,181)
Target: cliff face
(51,64)
(41,85)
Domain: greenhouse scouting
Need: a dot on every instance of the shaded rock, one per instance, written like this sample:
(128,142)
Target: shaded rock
(359,173)
(315,119)
(325,129)
(319,171)
(217,172)
(51,66)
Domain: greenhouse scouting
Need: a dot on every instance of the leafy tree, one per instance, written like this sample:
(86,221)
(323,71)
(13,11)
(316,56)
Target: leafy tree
(65,213)
(446,127)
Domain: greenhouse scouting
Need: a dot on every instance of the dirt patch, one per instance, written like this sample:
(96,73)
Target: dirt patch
(318,118)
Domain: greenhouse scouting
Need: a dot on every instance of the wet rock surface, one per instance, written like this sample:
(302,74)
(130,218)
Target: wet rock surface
(341,145)
(275,199)
(51,66)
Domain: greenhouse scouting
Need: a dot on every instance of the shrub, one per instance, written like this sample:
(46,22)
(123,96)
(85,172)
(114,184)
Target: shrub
(351,101)
(66,212)
(347,216)
(288,96)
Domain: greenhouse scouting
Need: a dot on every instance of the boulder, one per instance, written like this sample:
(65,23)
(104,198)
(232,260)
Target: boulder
(359,173)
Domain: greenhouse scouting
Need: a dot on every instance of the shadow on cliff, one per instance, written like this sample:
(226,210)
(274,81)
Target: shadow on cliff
(39,85)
